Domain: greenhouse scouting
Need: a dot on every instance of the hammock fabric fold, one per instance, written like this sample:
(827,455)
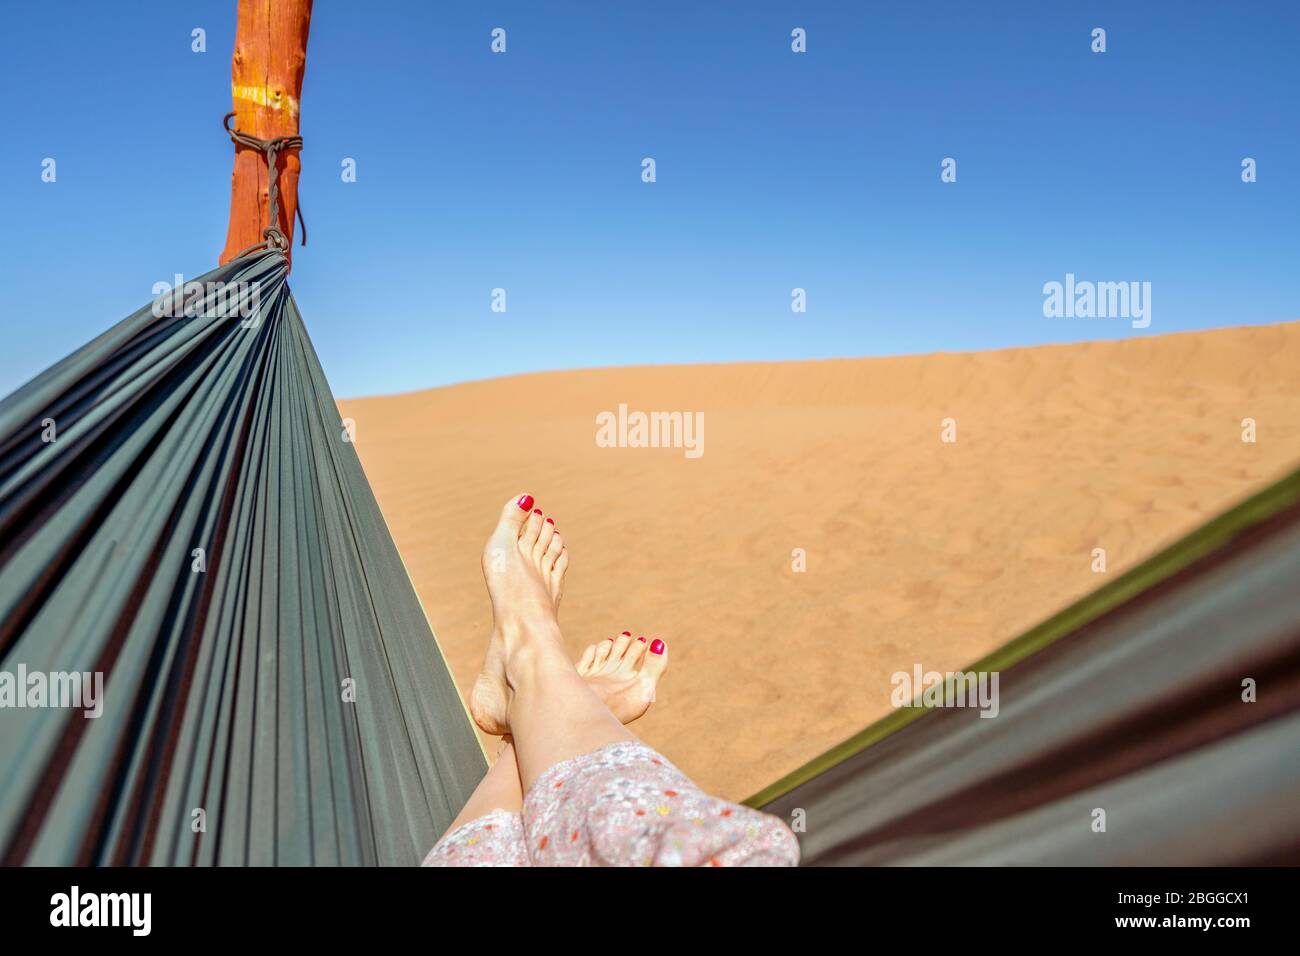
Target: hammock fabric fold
(182,511)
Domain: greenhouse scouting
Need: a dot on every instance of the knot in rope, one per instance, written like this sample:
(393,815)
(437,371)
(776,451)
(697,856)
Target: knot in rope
(272,236)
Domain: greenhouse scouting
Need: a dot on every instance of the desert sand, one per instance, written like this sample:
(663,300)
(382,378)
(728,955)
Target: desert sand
(917,550)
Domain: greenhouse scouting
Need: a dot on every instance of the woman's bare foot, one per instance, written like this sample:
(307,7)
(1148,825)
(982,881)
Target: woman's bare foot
(623,672)
(524,562)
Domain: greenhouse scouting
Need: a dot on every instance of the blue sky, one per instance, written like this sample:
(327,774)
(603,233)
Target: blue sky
(775,170)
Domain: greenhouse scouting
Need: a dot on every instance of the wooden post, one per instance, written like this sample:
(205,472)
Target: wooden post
(266,82)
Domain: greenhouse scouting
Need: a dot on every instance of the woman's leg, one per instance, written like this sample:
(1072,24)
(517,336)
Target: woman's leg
(555,711)
(528,683)
(498,790)
(624,673)
(593,792)
(489,830)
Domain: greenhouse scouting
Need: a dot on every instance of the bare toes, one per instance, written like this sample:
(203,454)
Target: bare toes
(529,533)
(545,535)
(615,660)
(655,661)
(602,654)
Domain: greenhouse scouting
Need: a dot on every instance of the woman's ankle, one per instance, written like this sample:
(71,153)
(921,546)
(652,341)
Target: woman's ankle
(534,651)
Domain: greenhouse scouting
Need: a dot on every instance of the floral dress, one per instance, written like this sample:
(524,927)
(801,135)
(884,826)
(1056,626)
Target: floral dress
(621,805)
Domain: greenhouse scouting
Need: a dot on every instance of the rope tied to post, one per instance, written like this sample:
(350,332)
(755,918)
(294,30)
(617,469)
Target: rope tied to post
(272,236)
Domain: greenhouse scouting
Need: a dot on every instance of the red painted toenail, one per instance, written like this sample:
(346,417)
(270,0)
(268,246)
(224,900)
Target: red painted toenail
(627,633)
(525,502)
(657,647)
(549,520)
(536,511)
(641,639)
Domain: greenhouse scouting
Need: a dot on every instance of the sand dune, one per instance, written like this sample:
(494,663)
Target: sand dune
(918,551)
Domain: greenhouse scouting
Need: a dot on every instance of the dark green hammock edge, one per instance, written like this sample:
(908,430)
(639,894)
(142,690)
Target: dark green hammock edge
(225,736)
(1129,700)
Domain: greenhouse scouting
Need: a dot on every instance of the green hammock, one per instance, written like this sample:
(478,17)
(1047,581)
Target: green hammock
(182,511)
(1168,700)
